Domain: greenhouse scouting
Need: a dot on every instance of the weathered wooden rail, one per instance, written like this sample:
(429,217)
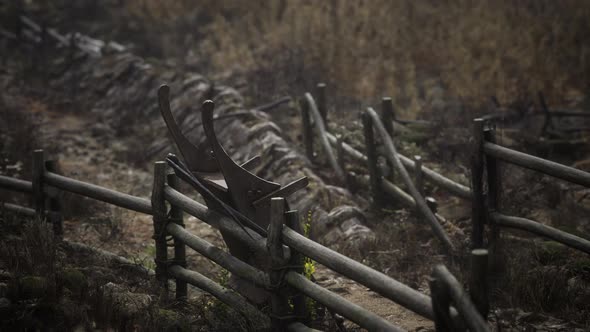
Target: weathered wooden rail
(284,242)
(387,117)
(486,171)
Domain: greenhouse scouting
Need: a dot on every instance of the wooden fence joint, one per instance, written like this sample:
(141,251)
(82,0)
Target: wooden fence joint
(279,302)
(297,261)
(387,117)
(478,215)
(375,178)
(160,219)
(55,215)
(176,216)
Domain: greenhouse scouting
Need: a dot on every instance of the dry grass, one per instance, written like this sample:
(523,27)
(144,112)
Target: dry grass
(370,48)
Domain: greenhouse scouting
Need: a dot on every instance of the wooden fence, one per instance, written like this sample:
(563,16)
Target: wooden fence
(285,245)
(484,194)
(486,174)
(484,159)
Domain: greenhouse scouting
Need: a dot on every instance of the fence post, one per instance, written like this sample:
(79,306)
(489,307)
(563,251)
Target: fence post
(38,192)
(160,218)
(322,103)
(176,216)
(55,215)
(374,174)
(493,196)
(279,302)
(478,288)
(340,161)
(387,117)
(441,302)
(477,182)
(418,175)
(307,132)
(297,259)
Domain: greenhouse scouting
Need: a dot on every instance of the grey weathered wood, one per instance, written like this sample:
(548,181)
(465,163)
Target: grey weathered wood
(253,240)
(341,160)
(375,177)
(232,299)
(538,164)
(532,226)
(297,260)
(176,216)
(217,255)
(477,184)
(100,193)
(398,193)
(420,203)
(55,204)
(321,129)
(418,174)
(377,281)
(493,199)
(387,116)
(493,171)
(322,102)
(453,187)
(478,281)
(18,209)
(441,303)
(160,218)
(306,132)
(355,313)
(10,183)
(38,179)
(279,302)
(467,310)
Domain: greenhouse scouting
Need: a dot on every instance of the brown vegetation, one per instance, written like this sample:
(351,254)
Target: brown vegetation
(370,48)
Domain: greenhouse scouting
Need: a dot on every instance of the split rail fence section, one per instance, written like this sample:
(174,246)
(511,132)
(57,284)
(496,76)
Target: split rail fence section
(485,172)
(484,194)
(450,307)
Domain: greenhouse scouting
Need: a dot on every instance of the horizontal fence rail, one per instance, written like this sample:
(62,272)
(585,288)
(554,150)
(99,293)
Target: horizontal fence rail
(18,209)
(227,296)
(340,305)
(285,241)
(253,240)
(438,179)
(546,231)
(538,164)
(349,310)
(16,184)
(99,193)
(377,281)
